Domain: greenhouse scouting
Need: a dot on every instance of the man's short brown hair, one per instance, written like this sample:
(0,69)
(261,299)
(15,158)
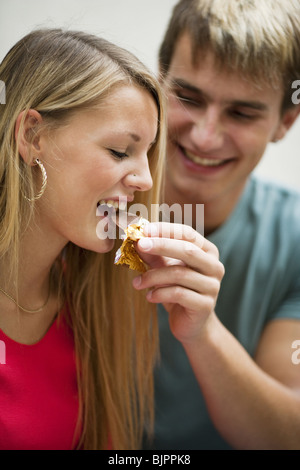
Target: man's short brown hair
(258,38)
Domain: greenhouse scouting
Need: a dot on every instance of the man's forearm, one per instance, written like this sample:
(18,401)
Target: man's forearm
(248,407)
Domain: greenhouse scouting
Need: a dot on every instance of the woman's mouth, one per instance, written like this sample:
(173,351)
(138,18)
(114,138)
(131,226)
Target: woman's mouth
(109,210)
(111,204)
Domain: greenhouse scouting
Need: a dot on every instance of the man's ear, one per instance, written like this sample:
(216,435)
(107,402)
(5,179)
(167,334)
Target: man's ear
(287,120)
(26,134)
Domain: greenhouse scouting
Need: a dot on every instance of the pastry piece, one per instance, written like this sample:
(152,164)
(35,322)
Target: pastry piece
(127,254)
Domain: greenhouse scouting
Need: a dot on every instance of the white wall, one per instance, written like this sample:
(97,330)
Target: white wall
(137,25)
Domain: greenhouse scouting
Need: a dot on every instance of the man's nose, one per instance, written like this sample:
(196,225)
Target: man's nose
(208,132)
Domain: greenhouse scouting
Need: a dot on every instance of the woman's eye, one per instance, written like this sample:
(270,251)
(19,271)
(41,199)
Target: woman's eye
(119,155)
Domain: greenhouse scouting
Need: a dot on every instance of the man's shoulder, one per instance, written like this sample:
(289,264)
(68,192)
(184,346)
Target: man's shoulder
(272,199)
(273,215)
(274,188)
(268,214)
(264,206)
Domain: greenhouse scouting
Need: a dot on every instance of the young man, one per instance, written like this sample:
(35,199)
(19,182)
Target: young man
(228,67)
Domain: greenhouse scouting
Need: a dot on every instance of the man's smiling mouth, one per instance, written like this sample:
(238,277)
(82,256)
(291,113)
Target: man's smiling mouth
(207,162)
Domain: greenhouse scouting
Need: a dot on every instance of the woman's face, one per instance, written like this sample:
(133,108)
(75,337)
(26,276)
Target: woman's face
(100,155)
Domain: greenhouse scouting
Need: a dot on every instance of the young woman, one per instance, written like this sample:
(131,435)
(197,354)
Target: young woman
(82,125)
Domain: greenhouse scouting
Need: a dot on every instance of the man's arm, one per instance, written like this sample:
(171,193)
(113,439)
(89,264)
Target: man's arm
(275,352)
(253,404)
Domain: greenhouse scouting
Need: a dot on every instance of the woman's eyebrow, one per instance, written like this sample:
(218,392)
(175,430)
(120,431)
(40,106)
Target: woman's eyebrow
(135,137)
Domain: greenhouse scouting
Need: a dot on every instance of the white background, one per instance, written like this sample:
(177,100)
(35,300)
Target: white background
(137,25)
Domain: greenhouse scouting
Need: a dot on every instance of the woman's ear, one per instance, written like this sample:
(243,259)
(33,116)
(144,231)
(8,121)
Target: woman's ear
(26,134)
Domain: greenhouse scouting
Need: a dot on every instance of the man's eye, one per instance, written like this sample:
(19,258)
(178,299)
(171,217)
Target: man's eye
(119,155)
(187,99)
(241,115)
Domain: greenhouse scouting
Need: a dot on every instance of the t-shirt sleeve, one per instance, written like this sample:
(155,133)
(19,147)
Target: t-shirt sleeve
(290,307)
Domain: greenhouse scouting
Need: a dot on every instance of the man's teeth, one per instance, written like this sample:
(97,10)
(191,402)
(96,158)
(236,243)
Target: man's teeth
(116,204)
(203,161)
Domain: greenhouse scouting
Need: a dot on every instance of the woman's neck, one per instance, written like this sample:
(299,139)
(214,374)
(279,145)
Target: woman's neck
(30,287)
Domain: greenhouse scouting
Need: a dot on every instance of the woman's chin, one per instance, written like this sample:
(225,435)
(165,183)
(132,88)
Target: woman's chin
(104,246)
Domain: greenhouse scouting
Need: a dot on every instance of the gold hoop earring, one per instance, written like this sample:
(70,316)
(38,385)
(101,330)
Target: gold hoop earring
(44,182)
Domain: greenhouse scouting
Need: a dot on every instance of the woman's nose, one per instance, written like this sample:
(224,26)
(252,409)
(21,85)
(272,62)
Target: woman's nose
(140,178)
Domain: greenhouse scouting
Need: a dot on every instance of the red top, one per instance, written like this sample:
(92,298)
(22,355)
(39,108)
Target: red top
(38,391)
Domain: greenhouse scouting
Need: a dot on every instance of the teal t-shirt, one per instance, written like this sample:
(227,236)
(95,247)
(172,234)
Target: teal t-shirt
(259,246)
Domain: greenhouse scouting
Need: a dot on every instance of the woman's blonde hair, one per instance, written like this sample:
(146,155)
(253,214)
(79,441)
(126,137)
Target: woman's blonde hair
(58,72)
(257,38)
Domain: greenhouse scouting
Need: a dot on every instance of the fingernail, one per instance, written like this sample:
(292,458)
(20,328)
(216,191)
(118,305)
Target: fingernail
(149,295)
(137,281)
(145,243)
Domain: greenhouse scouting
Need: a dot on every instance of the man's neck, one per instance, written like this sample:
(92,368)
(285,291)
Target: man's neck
(216,211)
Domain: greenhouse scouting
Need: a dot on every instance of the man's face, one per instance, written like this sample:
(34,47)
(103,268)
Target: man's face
(219,126)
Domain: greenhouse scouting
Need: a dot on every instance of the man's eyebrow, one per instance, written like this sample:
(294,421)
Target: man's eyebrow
(258,105)
(180,83)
